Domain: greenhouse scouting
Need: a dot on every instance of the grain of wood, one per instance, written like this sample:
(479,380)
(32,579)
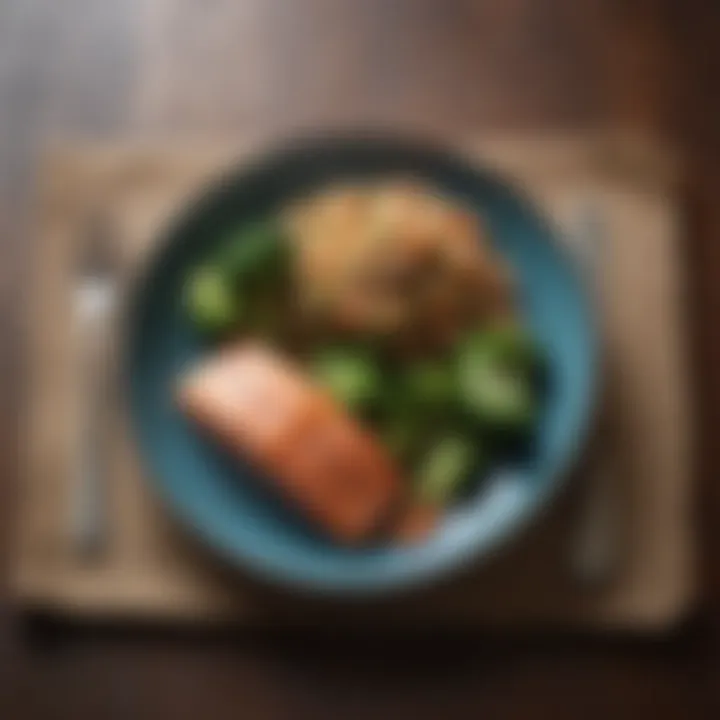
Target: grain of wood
(448,66)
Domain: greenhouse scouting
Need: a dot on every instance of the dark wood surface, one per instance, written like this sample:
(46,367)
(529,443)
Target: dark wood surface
(108,67)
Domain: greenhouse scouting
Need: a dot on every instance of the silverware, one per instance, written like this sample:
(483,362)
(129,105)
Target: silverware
(594,543)
(594,550)
(94,300)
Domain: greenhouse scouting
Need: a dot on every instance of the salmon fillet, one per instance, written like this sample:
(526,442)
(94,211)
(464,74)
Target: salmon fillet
(263,408)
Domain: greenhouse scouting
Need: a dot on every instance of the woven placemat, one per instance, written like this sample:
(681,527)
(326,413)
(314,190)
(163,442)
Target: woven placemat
(152,569)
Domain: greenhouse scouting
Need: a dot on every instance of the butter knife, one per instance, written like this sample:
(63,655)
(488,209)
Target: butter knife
(594,547)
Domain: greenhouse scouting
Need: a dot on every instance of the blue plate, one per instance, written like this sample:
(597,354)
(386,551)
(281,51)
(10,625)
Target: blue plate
(223,502)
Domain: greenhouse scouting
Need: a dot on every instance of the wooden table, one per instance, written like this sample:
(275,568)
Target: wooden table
(102,67)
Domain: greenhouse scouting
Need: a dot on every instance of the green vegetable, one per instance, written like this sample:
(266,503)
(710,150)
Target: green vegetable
(501,398)
(514,347)
(255,253)
(211,302)
(403,435)
(264,317)
(444,469)
(397,437)
(496,371)
(351,376)
(237,281)
(430,386)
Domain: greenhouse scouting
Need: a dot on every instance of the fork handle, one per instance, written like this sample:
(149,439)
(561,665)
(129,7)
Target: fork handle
(89,516)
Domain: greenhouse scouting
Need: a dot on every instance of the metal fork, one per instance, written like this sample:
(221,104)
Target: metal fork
(94,301)
(593,553)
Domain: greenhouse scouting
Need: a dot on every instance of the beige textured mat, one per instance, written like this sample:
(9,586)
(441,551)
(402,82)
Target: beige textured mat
(153,570)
